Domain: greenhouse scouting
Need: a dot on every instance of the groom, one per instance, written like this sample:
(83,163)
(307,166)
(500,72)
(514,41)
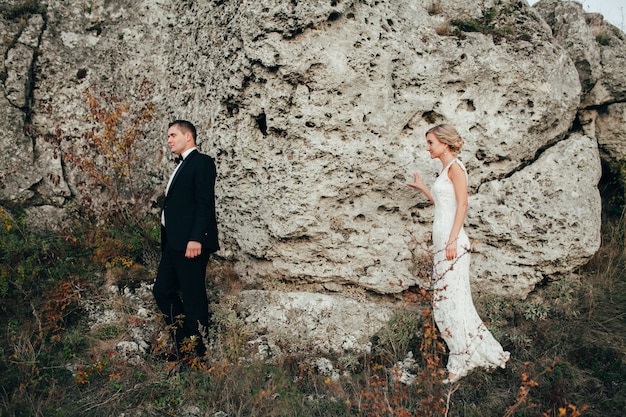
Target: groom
(188,236)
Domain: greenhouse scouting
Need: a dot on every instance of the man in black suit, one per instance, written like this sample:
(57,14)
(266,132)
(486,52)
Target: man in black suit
(188,237)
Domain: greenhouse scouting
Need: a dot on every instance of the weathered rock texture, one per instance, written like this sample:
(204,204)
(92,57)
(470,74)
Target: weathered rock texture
(315,112)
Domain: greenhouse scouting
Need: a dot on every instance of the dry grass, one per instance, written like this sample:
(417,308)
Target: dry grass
(434,8)
(444,28)
(566,342)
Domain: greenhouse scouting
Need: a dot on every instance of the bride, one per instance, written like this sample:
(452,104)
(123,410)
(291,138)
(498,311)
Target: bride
(470,343)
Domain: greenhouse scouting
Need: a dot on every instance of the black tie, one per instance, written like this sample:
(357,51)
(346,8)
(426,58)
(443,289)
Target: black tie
(179,159)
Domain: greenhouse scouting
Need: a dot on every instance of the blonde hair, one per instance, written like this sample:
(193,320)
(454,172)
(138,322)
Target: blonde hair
(448,135)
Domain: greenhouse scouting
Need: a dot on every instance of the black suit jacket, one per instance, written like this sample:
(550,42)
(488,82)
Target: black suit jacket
(189,205)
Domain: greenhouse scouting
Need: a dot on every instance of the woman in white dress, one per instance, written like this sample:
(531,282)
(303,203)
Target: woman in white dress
(470,343)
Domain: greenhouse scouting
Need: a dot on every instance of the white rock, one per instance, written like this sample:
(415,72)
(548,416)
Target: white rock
(313,322)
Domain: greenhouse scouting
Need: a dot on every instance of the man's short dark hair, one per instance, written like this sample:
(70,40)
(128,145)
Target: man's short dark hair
(184,127)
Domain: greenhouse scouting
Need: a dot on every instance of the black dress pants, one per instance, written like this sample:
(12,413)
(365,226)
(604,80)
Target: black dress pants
(180,291)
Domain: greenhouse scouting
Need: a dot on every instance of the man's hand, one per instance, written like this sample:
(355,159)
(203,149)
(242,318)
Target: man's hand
(193,249)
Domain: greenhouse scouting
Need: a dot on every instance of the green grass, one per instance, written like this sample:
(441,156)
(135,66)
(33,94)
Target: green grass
(500,22)
(603,39)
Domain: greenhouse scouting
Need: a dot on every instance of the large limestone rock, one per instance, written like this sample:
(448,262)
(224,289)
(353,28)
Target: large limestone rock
(305,321)
(553,196)
(31,170)
(344,106)
(598,49)
(567,20)
(315,112)
(611,132)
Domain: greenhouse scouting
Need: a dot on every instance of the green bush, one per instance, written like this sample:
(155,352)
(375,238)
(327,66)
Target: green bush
(21,10)
(499,21)
(32,261)
(400,336)
(603,39)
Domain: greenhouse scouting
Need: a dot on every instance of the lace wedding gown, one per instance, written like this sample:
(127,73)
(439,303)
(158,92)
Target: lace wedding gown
(469,342)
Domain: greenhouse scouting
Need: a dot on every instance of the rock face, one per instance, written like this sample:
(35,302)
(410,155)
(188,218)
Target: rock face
(598,50)
(557,192)
(316,111)
(323,322)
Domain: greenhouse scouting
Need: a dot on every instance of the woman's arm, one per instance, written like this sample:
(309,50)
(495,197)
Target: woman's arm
(418,184)
(459,181)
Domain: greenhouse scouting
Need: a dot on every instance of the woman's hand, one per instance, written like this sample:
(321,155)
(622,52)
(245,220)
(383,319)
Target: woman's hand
(418,182)
(451,250)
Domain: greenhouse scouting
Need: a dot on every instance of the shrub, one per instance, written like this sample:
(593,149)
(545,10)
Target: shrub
(115,188)
(603,39)
(21,10)
(499,21)
(400,336)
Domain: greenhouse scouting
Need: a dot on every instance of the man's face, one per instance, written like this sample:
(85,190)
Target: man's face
(178,141)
